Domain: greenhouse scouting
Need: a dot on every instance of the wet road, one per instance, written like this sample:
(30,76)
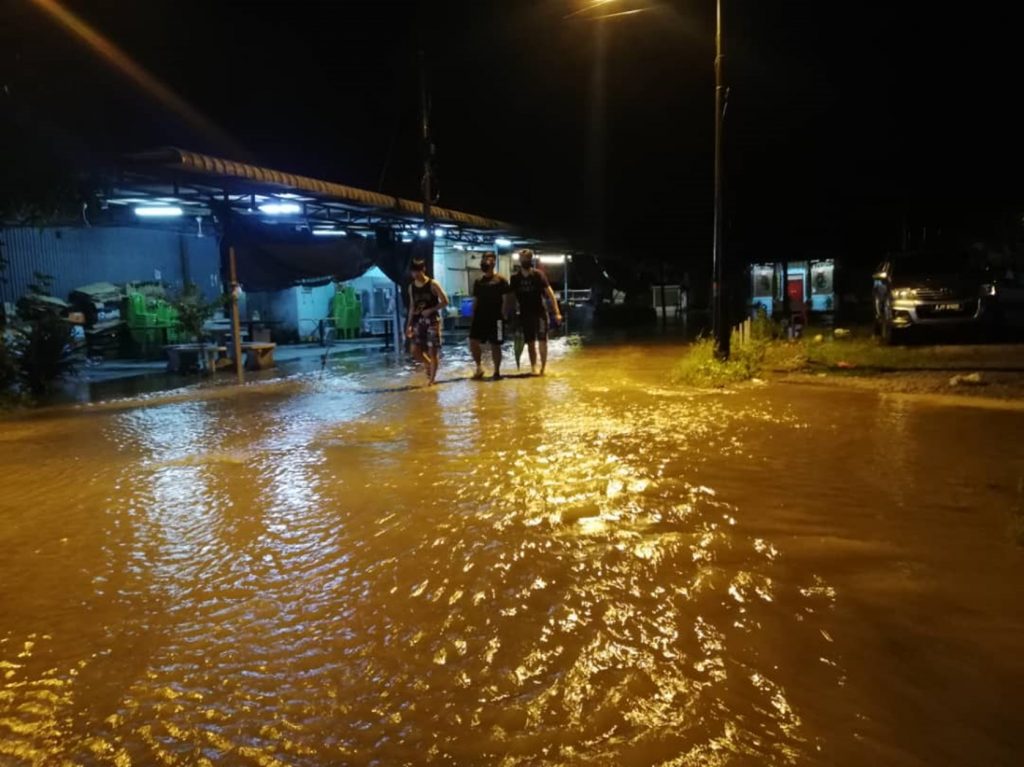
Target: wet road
(594,568)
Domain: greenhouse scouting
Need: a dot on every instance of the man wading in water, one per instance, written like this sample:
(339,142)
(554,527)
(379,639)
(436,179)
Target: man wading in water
(488,299)
(530,287)
(423,326)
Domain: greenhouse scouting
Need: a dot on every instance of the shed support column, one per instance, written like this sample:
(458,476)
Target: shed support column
(236,325)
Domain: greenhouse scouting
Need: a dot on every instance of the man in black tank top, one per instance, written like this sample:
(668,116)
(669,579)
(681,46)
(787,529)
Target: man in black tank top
(423,327)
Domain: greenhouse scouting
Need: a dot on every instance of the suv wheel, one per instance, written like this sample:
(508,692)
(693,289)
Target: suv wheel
(892,336)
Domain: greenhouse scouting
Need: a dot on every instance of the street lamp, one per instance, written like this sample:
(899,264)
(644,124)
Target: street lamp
(605,9)
(598,10)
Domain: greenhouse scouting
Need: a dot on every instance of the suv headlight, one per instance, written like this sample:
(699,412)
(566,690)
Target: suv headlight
(903,294)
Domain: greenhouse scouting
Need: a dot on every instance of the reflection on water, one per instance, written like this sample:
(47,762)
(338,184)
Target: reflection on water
(591,568)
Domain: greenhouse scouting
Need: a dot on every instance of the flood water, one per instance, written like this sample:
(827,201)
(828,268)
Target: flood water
(594,568)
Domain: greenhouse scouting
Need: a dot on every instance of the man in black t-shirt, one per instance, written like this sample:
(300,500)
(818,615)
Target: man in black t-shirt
(530,288)
(489,293)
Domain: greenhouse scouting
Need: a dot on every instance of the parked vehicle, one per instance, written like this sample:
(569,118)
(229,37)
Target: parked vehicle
(1008,306)
(931,290)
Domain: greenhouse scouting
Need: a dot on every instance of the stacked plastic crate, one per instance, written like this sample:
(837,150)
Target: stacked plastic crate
(347,312)
(152,323)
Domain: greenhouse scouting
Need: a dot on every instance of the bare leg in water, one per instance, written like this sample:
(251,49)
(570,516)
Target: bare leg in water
(434,362)
(496,359)
(419,353)
(475,350)
(531,347)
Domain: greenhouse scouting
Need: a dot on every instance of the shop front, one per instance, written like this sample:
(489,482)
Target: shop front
(807,286)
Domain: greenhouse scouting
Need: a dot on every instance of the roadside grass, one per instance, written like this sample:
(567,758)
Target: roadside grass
(867,354)
(700,368)
(765,355)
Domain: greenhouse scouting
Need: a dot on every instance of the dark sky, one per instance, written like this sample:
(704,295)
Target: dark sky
(844,121)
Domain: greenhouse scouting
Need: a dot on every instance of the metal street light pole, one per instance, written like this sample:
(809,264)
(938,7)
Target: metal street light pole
(718,319)
(719,322)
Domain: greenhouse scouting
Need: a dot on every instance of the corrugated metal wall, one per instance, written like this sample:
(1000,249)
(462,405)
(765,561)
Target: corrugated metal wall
(79,256)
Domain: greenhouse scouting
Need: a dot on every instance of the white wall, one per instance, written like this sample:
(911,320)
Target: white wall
(462,267)
(450,265)
(298,309)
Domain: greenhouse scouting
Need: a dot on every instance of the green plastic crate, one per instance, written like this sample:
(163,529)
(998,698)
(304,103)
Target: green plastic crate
(347,312)
(137,312)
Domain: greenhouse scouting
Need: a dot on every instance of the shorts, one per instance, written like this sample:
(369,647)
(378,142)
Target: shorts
(485,330)
(426,332)
(535,327)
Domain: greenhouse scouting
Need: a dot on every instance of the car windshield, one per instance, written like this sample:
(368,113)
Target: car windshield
(932,264)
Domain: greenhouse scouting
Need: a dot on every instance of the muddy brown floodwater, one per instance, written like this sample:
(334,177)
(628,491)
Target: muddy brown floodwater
(594,568)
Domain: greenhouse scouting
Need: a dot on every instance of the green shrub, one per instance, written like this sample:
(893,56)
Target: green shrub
(701,367)
(42,352)
(41,344)
(8,368)
(763,328)
(8,364)
(193,311)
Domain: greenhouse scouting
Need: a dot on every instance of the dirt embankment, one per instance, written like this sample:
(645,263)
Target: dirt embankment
(985,372)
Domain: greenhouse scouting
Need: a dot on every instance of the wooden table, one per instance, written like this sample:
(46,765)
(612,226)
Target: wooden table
(384,321)
(183,358)
(258,356)
(260,330)
(220,331)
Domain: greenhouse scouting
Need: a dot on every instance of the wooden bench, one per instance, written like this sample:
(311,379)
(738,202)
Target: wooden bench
(258,356)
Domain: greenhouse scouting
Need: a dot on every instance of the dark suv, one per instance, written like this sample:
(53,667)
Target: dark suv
(930,290)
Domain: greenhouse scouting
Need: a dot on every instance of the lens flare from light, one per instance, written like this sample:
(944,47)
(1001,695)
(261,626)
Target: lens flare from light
(596,10)
(158,211)
(128,67)
(280,208)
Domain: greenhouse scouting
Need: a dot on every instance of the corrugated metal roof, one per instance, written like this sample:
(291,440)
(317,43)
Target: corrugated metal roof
(173,158)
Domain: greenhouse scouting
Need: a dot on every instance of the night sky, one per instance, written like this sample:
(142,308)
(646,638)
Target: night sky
(845,122)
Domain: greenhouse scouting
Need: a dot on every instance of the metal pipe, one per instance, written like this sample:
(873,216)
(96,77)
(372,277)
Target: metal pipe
(396,320)
(664,308)
(565,293)
(236,325)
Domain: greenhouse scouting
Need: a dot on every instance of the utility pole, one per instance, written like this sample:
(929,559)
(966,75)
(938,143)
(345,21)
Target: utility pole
(596,170)
(718,319)
(426,183)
